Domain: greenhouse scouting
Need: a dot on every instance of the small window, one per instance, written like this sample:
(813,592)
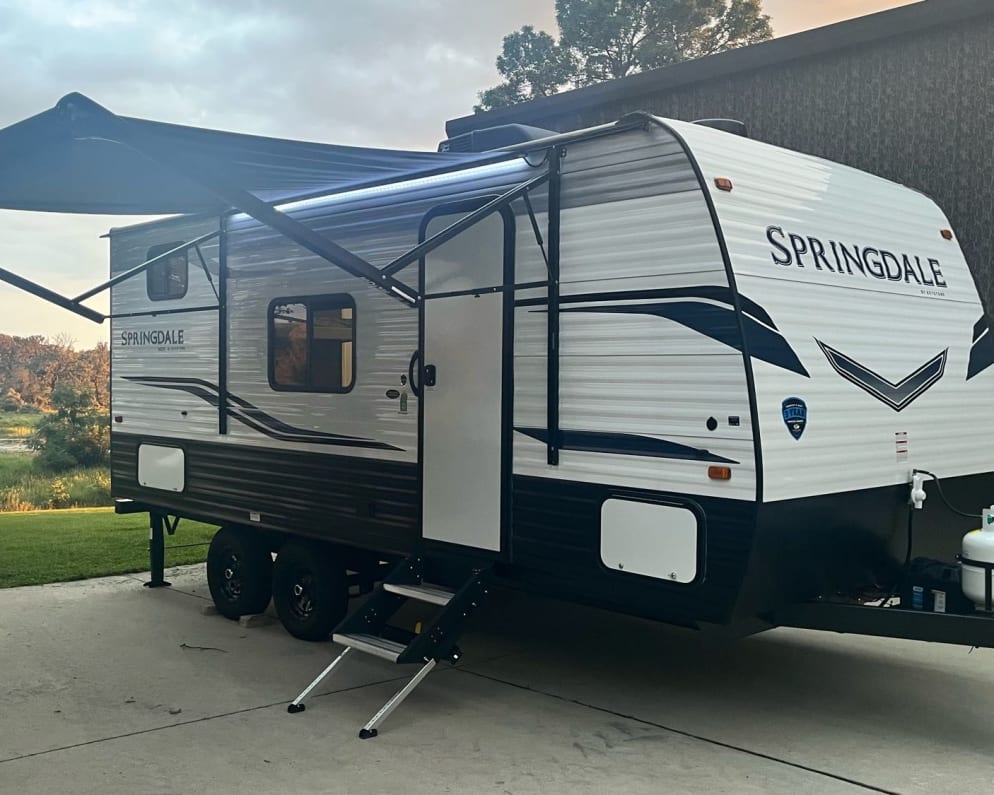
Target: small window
(312,343)
(167,279)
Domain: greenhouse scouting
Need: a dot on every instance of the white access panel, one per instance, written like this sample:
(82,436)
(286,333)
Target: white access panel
(652,540)
(161,467)
(462,420)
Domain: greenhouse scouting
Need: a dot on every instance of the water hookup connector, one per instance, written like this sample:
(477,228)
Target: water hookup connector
(918,495)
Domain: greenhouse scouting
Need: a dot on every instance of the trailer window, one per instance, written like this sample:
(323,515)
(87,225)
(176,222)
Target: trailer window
(167,279)
(312,344)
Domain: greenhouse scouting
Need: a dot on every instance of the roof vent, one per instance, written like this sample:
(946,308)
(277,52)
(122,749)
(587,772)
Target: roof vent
(492,138)
(725,125)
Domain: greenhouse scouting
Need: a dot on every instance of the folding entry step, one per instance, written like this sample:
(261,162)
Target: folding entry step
(368,630)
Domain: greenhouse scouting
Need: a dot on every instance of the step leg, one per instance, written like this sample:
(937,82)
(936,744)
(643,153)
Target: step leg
(370,729)
(296,706)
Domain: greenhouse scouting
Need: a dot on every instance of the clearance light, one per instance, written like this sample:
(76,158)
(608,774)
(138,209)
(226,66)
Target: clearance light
(720,473)
(723,183)
(947,234)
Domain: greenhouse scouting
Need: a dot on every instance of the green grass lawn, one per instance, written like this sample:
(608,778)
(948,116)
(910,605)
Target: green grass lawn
(38,547)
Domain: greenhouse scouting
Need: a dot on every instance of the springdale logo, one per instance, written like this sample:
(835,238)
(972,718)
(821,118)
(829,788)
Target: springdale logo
(804,251)
(163,339)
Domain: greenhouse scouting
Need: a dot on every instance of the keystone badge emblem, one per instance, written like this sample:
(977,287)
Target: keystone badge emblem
(795,415)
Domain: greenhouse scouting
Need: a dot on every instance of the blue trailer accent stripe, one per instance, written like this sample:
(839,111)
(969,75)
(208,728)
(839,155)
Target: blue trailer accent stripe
(982,352)
(718,323)
(624,444)
(257,419)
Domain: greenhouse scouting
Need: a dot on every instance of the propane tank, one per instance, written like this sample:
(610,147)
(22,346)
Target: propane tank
(978,547)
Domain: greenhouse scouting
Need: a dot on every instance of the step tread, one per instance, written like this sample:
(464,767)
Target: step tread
(423,592)
(372,644)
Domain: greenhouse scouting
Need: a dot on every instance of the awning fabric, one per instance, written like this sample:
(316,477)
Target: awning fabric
(79,157)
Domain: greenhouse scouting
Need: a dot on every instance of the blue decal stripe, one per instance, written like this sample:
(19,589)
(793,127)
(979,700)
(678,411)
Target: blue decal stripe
(721,295)
(718,323)
(255,418)
(624,444)
(982,352)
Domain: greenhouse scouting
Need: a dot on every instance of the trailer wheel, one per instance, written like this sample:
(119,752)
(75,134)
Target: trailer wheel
(239,572)
(310,591)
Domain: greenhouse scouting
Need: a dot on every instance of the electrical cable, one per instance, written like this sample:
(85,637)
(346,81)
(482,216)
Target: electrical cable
(942,496)
(907,560)
(911,517)
(542,162)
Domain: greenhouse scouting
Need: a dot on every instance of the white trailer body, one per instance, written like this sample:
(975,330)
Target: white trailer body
(713,411)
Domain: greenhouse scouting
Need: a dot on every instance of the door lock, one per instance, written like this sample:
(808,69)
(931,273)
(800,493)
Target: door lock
(431,375)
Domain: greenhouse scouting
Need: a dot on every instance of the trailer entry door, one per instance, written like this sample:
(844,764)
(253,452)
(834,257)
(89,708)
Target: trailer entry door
(465,374)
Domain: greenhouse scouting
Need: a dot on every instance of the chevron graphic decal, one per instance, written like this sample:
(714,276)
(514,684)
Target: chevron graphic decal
(898,396)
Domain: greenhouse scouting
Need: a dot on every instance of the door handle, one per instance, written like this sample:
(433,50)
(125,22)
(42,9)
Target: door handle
(415,387)
(431,375)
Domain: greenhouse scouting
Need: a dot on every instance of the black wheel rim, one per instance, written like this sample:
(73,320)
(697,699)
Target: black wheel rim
(231,577)
(301,601)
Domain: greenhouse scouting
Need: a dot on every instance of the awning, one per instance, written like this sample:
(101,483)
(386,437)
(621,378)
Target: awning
(79,157)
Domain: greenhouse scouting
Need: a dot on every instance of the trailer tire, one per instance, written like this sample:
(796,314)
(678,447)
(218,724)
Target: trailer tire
(239,572)
(310,590)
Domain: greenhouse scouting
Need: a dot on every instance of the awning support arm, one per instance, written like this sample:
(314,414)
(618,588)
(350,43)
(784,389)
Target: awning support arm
(76,304)
(536,230)
(552,351)
(307,238)
(52,297)
(121,277)
(207,271)
(462,225)
(96,122)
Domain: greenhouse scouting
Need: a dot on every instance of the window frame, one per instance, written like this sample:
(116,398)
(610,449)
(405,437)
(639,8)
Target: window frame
(157,251)
(318,302)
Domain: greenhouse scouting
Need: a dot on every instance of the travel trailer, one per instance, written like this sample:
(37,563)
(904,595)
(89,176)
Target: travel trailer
(654,366)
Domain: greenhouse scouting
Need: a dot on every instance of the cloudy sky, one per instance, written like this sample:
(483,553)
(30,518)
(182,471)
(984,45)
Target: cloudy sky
(376,73)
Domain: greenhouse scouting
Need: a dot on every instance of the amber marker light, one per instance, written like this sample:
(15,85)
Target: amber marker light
(947,234)
(720,473)
(723,183)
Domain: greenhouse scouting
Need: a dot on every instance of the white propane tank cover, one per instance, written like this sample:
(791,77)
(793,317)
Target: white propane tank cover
(978,546)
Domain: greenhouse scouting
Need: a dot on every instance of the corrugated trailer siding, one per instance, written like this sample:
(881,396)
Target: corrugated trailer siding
(369,504)
(634,219)
(146,409)
(378,225)
(889,327)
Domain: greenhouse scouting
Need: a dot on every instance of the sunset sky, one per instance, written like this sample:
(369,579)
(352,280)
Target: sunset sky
(791,16)
(376,73)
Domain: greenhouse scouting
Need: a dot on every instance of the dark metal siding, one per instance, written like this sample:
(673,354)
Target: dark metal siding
(556,545)
(362,502)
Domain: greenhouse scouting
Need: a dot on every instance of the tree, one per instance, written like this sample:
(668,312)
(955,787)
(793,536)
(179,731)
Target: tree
(533,65)
(607,39)
(33,367)
(76,434)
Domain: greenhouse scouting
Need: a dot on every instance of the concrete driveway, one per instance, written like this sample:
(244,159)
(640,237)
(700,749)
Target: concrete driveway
(106,686)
